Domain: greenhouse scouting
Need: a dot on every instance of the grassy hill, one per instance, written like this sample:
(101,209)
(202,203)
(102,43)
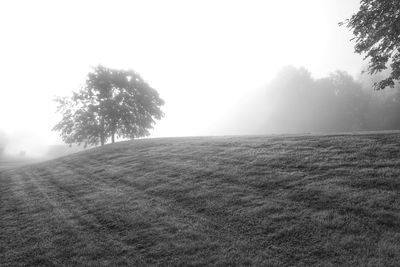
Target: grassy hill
(15,162)
(272,200)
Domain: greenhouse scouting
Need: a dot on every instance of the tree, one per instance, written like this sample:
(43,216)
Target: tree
(376,29)
(113,103)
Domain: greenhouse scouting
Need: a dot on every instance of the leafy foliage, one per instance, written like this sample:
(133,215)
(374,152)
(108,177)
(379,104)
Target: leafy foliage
(112,103)
(376,27)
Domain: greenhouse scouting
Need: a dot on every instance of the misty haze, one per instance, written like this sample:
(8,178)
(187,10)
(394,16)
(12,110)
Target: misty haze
(200,133)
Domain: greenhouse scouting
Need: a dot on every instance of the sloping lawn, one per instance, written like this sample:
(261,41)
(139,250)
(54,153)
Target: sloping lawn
(260,200)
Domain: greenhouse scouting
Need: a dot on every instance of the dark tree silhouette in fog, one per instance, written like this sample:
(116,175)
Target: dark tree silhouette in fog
(376,27)
(113,103)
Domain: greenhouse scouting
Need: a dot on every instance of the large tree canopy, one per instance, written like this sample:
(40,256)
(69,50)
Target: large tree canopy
(112,103)
(376,29)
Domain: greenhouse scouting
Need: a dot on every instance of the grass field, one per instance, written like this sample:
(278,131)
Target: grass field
(272,200)
(14,162)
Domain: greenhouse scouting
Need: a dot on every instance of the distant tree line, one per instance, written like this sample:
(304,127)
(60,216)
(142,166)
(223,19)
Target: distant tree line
(295,102)
(337,103)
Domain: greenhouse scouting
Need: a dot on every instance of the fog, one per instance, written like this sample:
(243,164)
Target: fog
(3,142)
(295,102)
(292,102)
(218,76)
(28,145)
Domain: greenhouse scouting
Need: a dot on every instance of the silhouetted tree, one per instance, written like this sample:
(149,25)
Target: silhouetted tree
(376,27)
(112,103)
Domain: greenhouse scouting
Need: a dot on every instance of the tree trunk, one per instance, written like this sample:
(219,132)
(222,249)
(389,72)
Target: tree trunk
(112,138)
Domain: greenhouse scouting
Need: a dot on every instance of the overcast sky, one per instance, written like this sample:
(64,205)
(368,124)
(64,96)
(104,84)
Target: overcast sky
(203,57)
